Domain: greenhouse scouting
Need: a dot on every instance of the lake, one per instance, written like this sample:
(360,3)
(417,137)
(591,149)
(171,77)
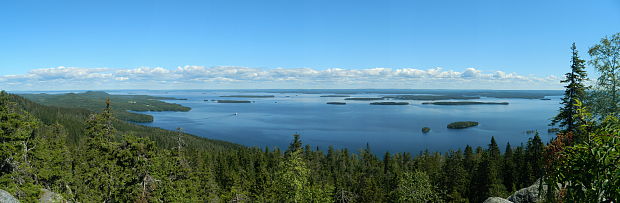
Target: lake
(394,128)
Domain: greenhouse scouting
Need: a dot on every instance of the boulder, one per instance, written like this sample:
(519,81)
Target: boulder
(496,200)
(6,197)
(529,194)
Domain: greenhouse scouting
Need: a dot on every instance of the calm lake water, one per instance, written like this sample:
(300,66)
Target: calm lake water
(272,121)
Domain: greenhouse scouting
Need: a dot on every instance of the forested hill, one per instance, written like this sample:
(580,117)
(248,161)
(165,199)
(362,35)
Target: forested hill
(94,100)
(74,120)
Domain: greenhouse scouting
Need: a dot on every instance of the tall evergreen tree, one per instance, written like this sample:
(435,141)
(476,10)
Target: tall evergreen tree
(96,167)
(292,180)
(535,155)
(454,178)
(509,169)
(494,164)
(16,144)
(52,159)
(575,90)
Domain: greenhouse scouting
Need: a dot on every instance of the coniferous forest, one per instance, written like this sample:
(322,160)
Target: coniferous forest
(83,156)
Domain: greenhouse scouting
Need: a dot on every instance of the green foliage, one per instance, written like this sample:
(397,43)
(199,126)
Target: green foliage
(455,177)
(606,59)
(292,179)
(591,170)
(415,187)
(51,159)
(586,170)
(16,145)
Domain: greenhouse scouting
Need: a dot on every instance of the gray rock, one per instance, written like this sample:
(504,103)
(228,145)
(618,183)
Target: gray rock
(529,194)
(6,197)
(496,200)
(50,197)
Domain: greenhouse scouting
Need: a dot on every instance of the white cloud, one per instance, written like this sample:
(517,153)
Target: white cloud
(62,72)
(188,77)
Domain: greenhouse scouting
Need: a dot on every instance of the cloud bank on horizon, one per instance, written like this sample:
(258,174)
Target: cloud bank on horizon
(231,77)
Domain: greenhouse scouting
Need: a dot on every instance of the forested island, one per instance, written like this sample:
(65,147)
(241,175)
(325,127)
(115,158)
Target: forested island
(389,103)
(430,97)
(462,124)
(337,103)
(250,96)
(364,98)
(466,103)
(335,95)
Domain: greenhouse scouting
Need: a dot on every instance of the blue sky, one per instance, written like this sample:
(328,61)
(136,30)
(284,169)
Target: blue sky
(529,39)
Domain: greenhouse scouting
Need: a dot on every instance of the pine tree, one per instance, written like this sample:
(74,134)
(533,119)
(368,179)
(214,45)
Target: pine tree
(575,90)
(469,162)
(523,167)
(509,169)
(135,158)
(52,159)
(494,164)
(16,143)
(368,183)
(292,179)
(97,174)
(455,178)
(535,156)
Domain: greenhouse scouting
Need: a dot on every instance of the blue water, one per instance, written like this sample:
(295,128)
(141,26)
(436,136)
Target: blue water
(272,121)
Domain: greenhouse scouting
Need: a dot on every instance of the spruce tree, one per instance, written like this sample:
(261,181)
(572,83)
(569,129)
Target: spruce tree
(292,179)
(97,174)
(509,169)
(52,159)
(454,178)
(494,164)
(575,90)
(16,145)
(535,156)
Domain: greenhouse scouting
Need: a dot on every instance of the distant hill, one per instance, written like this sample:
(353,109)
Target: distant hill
(122,104)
